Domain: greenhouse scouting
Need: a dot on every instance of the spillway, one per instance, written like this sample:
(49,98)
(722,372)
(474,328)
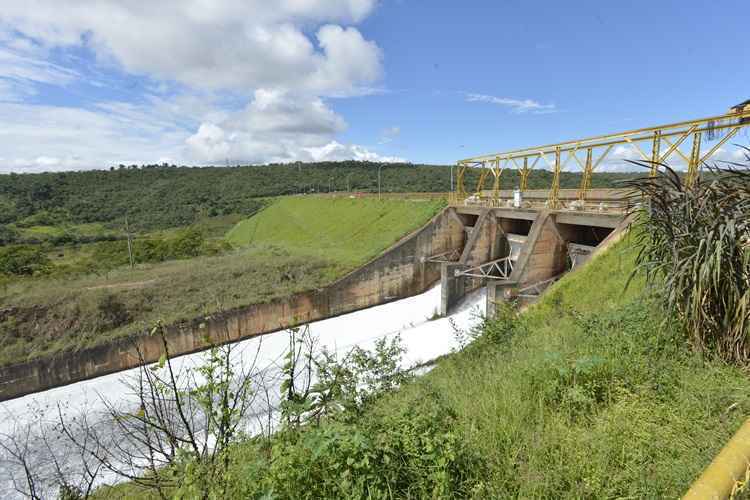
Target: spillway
(423,338)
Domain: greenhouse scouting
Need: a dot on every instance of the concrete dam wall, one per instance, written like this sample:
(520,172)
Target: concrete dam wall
(401,271)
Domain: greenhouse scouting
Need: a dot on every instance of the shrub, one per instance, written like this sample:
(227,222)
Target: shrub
(8,235)
(695,248)
(406,451)
(112,313)
(23,260)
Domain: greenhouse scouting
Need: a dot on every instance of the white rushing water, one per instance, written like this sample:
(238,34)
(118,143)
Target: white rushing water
(423,338)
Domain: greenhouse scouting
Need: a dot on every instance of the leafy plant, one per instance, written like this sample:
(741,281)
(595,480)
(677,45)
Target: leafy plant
(23,260)
(695,248)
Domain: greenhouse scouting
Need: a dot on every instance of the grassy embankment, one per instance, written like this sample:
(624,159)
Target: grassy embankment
(592,393)
(597,396)
(345,231)
(295,244)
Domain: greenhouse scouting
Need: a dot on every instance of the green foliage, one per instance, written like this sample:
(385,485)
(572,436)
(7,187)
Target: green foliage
(695,247)
(318,386)
(8,235)
(182,244)
(181,274)
(112,312)
(47,217)
(161,196)
(595,396)
(591,393)
(347,388)
(23,260)
(68,492)
(405,452)
(67,309)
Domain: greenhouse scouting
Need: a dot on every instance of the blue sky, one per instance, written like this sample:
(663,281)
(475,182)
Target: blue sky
(88,85)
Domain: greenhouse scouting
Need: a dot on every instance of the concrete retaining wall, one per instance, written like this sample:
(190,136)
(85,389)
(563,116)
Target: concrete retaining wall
(399,272)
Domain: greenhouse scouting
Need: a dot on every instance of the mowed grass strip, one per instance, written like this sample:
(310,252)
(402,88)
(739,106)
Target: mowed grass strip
(348,232)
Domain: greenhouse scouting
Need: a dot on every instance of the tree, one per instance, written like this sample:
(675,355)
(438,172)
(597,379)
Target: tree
(177,439)
(22,260)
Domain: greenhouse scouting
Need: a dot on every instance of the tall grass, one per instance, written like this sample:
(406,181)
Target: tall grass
(695,248)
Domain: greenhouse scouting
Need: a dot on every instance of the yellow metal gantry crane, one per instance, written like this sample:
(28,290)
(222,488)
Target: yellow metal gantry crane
(654,145)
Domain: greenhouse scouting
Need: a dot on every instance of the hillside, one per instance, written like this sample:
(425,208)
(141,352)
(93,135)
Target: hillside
(347,231)
(87,295)
(593,393)
(157,197)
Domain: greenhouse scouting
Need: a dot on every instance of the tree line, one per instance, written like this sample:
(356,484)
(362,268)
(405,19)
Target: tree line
(162,196)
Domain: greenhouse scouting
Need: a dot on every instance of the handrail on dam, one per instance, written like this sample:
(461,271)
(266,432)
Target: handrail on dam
(653,145)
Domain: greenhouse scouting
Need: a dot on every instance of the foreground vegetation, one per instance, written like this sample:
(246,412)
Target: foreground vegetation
(75,297)
(592,393)
(696,248)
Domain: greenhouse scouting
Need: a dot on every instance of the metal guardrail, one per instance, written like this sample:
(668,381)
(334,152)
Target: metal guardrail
(535,290)
(608,201)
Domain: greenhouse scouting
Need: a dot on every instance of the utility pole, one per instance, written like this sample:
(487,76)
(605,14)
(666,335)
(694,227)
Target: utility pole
(451,178)
(379,167)
(130,243)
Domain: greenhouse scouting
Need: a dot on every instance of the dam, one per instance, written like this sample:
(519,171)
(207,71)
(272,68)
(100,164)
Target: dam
(463,248)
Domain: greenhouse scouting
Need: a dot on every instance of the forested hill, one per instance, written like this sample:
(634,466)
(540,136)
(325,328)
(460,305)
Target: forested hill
(159,196)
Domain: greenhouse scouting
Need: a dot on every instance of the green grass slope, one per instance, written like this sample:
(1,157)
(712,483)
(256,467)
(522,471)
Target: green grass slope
(592,394)
(345,231)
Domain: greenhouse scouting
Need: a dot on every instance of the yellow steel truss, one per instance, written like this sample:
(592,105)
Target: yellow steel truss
(664,141)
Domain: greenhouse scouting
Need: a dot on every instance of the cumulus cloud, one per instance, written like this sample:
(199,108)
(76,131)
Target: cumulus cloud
(335,151)
(40,138)
(515,105)
(234,44)
(199,58)
(277,126)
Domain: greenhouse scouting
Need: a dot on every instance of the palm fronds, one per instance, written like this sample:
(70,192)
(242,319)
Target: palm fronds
(695,248)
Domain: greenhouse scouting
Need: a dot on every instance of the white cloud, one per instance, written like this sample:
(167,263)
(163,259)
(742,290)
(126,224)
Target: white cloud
(515,105)
(39,138)
(277,126)
(335,151)
(198,55)
(237,44)
(389,134)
